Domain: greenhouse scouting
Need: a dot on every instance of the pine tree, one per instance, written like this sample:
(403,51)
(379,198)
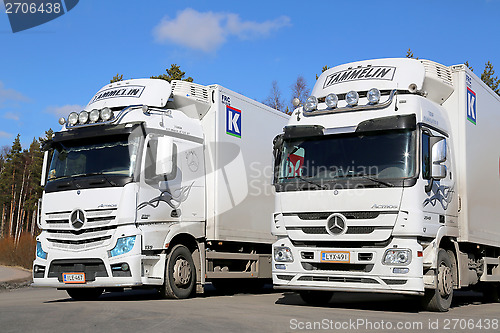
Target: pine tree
(3,187)
(488,77)
(48,136)
(34,191)
(174,73)
(469,66)
(20,172)
(322,70)
(118,77)
(10,180)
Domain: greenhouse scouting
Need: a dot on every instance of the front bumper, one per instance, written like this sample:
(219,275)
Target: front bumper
(100,269)
(364,273)
(98,272)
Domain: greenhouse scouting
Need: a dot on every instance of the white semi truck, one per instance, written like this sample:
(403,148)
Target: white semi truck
(388,181)
(158,185)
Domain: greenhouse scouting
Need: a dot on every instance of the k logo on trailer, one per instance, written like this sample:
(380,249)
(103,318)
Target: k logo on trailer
(233,121)
(471,106)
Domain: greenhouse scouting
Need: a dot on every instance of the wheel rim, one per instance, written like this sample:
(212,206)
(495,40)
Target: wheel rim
(445,280)
(182,272)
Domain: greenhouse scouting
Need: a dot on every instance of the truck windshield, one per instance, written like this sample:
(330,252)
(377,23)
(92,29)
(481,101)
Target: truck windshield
(110,155)
(379,158)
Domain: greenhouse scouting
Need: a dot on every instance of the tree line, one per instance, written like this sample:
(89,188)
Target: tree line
(20,189)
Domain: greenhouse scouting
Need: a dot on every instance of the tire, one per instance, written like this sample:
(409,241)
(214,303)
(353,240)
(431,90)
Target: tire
(180,274)
(85,294)
(315,297)
(439,299)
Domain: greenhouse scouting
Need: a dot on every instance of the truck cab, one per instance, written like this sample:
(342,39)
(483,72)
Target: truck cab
(146,187)
(367,185)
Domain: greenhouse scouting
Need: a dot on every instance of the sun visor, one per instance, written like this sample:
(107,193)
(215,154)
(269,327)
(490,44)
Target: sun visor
(385,74)
(150,92)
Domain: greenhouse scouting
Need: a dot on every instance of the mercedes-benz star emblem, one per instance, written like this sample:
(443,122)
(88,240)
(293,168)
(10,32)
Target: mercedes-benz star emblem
(77,218)
(336,224)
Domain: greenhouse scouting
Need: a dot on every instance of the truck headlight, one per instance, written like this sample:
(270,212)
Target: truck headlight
(397,257)
(352,98)
(311,104)
(283,254)
(73,118)
(331,100)
(123,245)
(40,253)
(373,96)
(106,114)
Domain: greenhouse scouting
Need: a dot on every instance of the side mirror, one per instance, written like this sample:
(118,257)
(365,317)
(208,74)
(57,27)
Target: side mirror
(277,148)
(164,156)
(438,156)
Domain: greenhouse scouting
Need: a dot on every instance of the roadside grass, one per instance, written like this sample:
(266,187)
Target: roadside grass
(21,255)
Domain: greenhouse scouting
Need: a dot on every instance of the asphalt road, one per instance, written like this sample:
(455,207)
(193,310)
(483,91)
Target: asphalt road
(13,273)
(49,310)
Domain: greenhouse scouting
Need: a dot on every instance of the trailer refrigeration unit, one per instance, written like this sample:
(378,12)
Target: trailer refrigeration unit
(388,181)
(158,185)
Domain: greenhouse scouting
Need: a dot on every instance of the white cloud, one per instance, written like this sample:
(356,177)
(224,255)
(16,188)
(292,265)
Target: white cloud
(5,134)
(207,31)
(11,95)
(63,111)
(11,116)
(250,29)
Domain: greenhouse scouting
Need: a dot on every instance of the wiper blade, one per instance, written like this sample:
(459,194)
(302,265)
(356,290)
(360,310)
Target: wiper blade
(87,174)
(95,174)
(323,187)
(376,180)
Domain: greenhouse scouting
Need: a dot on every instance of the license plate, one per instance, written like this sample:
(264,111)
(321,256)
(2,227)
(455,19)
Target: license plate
(73,277)
(335,256)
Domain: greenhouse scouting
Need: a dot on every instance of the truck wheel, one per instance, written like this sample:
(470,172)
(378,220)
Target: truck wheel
(180,274)
(315,297)
(84,294)
(439,299)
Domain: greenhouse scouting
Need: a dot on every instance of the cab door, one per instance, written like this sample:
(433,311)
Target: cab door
(440,199)
(170,191)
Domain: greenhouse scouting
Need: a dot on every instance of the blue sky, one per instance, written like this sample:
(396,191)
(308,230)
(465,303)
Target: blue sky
(55,68)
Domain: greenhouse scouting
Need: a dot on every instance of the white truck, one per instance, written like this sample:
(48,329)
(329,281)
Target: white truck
(158,185)
(388,181)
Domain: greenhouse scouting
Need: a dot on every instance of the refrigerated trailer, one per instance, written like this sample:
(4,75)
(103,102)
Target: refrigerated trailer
(158,185)
(388,181)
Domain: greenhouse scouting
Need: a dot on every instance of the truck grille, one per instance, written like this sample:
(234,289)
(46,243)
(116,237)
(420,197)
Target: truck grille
(325,215)
(351,230)
(337,279)
(342,244)
(315,266)
(96,231)
(358,226)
